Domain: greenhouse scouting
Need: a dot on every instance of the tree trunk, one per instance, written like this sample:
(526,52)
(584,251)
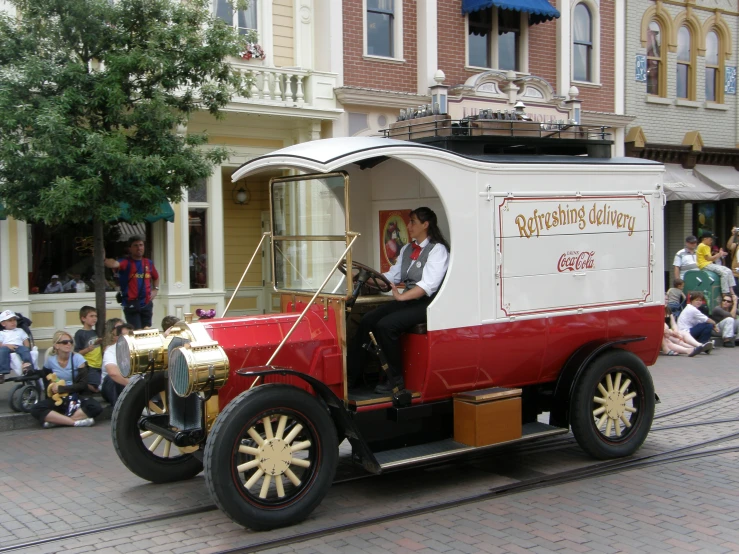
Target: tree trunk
(98,230)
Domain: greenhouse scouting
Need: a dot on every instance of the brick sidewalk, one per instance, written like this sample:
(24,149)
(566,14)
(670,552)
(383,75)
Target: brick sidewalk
(80,471)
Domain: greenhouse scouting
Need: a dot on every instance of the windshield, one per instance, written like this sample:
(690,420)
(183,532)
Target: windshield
(309,223)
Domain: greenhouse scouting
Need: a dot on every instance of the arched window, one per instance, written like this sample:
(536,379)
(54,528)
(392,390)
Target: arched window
(685,77)
(714,69)
(656,76)
(582,44)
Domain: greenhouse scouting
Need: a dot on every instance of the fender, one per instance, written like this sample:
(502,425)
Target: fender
(341,416)
(570,374)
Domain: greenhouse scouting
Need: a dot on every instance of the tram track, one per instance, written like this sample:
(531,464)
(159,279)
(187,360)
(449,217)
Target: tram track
(543,445)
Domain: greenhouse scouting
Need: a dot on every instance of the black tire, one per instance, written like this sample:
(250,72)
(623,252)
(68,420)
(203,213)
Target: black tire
(14,398)
(226,475)
(28,397)
(132,448)
(604,441)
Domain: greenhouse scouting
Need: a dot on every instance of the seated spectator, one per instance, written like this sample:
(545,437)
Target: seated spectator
(699,325)
(70,285)
(725,315)
(676,297)
(168,322)
(70,367)
(54,286)
(684,336)
(113,381)
(673,345)
(13,340)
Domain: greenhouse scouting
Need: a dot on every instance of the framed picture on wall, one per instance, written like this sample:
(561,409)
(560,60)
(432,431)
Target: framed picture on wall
(393,236)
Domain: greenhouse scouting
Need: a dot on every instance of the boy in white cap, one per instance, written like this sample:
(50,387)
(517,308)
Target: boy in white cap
(12,339)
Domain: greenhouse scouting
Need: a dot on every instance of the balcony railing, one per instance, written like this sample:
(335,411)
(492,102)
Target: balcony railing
(289,87)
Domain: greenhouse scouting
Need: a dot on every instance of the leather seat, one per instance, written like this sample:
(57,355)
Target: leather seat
(419,329)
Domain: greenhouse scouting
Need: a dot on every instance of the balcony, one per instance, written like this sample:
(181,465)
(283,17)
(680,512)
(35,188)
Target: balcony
(288,91)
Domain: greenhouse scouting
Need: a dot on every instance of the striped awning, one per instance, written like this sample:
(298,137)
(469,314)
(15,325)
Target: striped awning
(538,10)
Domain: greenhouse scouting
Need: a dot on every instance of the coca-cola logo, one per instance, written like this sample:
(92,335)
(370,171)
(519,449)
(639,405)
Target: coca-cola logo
(576,260)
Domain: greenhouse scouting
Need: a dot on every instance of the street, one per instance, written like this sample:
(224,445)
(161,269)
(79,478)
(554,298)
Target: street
(67,481)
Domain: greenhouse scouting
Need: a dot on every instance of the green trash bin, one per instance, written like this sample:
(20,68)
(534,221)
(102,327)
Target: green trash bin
(708,282)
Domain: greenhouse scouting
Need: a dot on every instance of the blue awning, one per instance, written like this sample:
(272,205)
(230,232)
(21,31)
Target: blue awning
(538,10)
(165,212)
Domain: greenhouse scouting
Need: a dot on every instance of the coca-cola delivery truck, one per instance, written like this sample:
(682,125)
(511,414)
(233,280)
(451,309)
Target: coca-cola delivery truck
(548,316)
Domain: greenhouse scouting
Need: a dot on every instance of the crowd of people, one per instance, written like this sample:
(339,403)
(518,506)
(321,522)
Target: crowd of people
(691,326)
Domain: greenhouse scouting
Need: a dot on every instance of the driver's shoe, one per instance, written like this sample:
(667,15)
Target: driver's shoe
(387,387)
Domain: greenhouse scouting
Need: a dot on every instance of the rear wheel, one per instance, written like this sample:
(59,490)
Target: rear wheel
(613,405)
(14,397)
(271,457)
(148,455)
(27,397)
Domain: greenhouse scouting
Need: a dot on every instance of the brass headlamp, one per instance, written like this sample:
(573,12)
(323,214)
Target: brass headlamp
(134,352)
(193,367)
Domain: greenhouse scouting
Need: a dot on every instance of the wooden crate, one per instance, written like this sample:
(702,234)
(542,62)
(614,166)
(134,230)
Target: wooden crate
(488,416)
(429,126)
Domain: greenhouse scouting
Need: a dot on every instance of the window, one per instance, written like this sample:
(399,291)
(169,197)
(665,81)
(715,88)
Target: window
(66,251)
(380,28)
(495,39)
(479,38)
(243,20)
(509,33)
(655,60)
(714,69)
(197,224)
(684,64)
(582,44)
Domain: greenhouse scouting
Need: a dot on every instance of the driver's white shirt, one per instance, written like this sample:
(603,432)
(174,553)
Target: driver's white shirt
(433,272)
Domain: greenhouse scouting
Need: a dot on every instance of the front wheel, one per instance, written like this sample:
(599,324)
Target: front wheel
(613,405)
(271,457)
(148,455)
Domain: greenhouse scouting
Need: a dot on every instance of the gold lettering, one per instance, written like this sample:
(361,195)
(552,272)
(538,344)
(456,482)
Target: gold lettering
(521,222)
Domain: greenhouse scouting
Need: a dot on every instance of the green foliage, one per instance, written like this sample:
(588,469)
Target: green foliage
(92,93)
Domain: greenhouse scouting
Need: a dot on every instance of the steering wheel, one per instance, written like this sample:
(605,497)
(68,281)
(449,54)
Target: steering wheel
(373,279)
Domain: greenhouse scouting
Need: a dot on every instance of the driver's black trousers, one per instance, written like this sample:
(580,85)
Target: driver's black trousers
(387,322)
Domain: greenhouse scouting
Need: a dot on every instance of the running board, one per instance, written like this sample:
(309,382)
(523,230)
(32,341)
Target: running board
(440,450)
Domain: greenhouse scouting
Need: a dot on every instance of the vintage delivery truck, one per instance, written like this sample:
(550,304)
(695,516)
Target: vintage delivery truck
(552,304)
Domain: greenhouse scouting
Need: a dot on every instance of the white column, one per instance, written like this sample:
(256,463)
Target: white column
(619,148)
(563,47)
(428,48)
(266,37)
(216,254)
(304,17)
(13,262)
(620,58)
(336,40)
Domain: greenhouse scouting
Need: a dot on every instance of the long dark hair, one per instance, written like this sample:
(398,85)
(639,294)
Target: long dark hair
(110,336)
(425,214)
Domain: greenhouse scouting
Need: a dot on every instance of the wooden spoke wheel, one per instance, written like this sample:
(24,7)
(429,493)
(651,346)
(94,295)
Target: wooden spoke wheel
(145,453)
(271,456)
(613,405)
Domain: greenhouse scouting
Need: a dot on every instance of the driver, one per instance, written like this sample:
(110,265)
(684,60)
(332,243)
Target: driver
(421,266)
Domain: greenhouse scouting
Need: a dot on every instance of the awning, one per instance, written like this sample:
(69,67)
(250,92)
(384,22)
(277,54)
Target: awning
(538,10)
(128,230)
(721,176)
(682,184)
(165,212)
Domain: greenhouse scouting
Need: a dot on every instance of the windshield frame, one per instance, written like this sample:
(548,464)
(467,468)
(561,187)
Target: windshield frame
(346,237)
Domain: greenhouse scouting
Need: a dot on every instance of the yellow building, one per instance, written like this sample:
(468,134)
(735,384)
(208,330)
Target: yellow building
(200,255)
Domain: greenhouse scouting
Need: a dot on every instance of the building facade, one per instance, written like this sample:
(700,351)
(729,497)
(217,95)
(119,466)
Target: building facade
(203,244)
(681,88)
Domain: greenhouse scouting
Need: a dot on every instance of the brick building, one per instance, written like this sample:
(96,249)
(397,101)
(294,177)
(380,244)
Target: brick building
(681,88)
(492,53)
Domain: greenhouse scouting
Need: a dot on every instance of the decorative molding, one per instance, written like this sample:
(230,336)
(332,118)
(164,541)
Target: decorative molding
(380,98)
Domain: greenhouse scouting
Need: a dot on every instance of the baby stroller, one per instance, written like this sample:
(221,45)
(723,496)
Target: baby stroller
(29,388)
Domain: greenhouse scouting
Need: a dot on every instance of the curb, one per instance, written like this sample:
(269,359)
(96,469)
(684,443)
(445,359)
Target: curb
(17,421)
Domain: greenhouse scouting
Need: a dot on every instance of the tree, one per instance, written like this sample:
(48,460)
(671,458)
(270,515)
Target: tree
(92,93)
